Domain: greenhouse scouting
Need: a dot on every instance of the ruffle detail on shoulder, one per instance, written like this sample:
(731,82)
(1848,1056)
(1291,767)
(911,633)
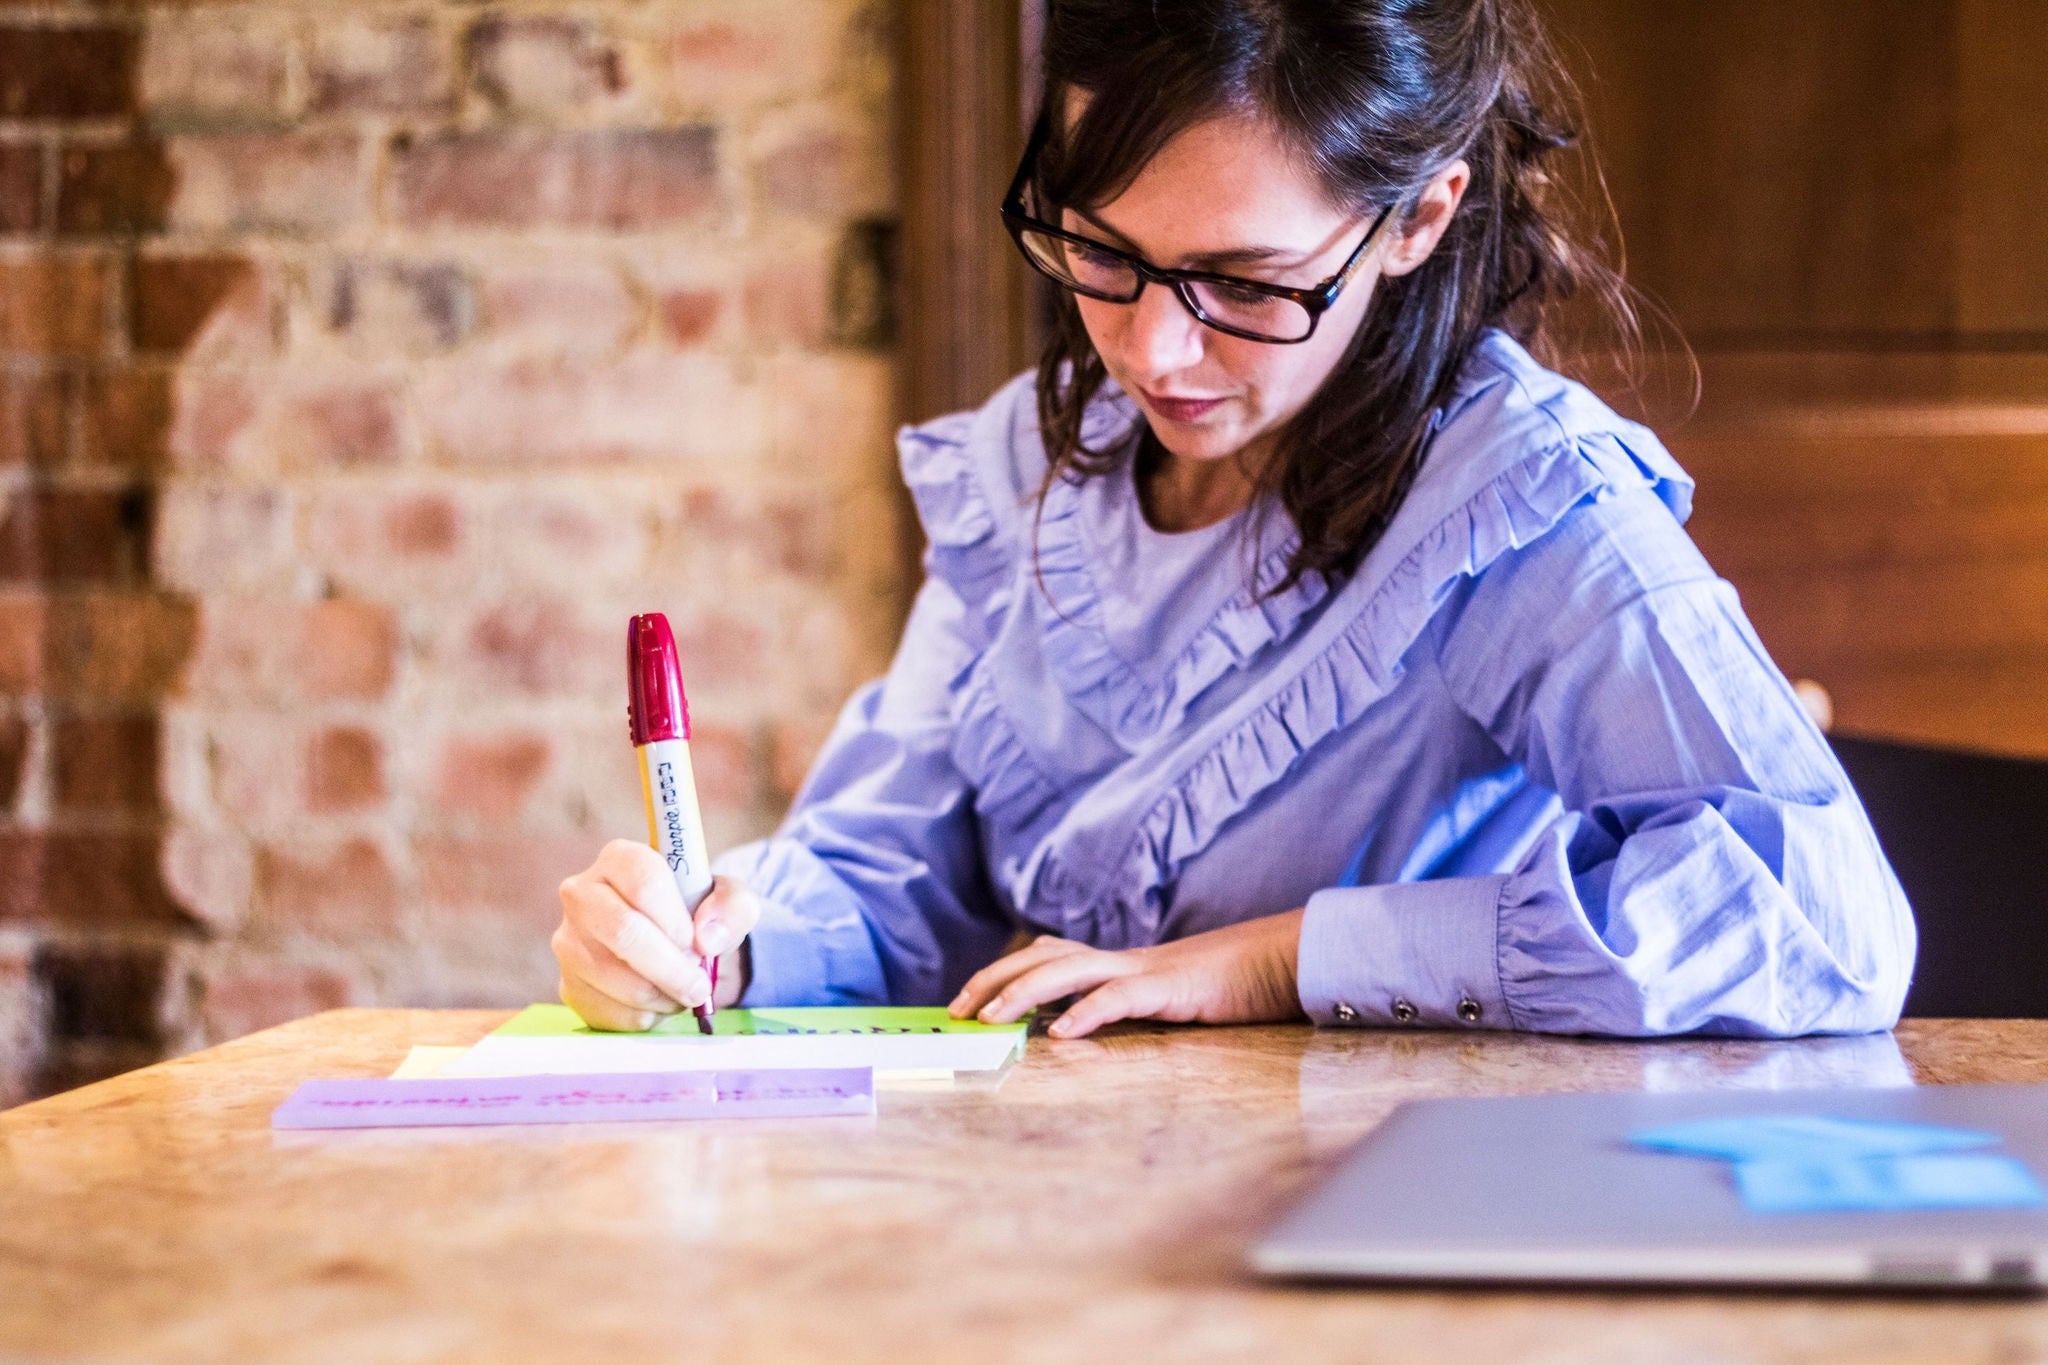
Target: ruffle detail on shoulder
(1108,688)
(1010,789)
(1124,902)
(966,549)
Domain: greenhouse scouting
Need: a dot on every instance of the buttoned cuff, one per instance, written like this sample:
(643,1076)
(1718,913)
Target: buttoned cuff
(1412,954)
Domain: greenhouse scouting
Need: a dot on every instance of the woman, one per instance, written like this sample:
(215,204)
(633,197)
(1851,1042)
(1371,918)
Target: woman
(1293,642)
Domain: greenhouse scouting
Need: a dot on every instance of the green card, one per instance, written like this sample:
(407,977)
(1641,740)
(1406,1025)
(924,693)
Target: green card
(559,1021)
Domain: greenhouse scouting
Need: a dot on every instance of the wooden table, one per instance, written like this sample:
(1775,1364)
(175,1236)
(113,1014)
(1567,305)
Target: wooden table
(1095,1206)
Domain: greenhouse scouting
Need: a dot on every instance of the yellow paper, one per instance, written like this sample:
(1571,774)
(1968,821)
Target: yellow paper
(423,1062)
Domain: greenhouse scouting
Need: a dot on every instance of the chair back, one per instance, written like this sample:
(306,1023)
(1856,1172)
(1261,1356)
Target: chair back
(1968,836)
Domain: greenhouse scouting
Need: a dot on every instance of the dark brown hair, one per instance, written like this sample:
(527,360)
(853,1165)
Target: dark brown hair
(1377,96)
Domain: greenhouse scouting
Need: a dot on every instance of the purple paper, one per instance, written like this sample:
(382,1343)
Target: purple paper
(468,1101)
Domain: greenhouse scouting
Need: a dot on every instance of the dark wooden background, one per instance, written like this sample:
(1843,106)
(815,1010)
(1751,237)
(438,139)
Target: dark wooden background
(1840,203)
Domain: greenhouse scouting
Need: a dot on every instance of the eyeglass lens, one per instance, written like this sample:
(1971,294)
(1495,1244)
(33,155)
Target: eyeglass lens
(1103,276)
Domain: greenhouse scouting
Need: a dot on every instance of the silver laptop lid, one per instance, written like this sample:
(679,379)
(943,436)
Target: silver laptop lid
(1547,1188)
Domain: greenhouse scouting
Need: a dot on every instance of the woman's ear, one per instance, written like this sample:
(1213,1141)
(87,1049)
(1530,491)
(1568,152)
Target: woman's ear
(1426,222)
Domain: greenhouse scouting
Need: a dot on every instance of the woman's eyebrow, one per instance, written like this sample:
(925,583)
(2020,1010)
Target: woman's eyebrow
(1241,255)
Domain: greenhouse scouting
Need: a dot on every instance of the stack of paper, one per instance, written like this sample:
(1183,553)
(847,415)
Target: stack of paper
(898,1043)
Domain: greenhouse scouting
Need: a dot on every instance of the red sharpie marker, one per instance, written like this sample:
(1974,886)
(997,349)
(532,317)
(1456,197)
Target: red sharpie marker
(658,716)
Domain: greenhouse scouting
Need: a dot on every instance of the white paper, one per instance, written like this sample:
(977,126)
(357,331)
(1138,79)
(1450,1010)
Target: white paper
(625,1052)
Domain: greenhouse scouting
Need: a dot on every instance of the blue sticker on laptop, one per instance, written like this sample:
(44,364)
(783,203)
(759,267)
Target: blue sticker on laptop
(1970,1180)
(1807,1137)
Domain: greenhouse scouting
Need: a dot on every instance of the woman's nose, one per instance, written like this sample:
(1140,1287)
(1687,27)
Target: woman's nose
(1163,336)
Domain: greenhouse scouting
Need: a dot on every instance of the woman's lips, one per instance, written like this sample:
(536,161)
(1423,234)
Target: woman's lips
(1180,409)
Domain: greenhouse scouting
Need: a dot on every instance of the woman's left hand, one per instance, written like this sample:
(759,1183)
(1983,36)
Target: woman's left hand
(1240,975)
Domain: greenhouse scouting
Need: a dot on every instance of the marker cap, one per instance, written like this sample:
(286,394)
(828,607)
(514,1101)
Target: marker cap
(655,705)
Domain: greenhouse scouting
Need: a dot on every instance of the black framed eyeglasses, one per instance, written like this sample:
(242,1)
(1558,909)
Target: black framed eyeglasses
(1251,309)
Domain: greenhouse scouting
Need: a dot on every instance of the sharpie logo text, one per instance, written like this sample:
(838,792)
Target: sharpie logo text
(676,850)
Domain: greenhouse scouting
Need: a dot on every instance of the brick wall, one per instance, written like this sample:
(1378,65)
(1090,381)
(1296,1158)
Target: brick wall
(362,367)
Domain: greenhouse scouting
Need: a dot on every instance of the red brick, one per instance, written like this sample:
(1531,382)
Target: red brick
(642,406)
(302,418)
(727,762)
(32,413)
(400,66)
(233,66)
(382,537)
(633,178)
(174,301)
(398,306)
(245,995)
(793,746)
(347,649)
(823,173)
(255,774)
(54,305)
(287,651)
(491,776)
(690,315)
(722,649)
(538,647)
(210,419)
(738,52)
(87,71)
(506,880)
(601,530)
(344,770)
(789,301)
(116,646)
(346,893)
(14,739)
(421,526)
(269,182)
(125,416)
(82,879)
(105,763)
(544,64)
(342,422)
(565,305)
(24,622)
(224,536)
(21,187)
(115,187)
(105,990)
(67,535)
(791,533)
(209,875)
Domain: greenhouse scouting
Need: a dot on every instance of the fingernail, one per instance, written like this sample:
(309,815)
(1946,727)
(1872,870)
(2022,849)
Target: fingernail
(1061,1027)
(714,939)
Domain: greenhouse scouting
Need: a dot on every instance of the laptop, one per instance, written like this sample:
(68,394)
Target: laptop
(1548,1189)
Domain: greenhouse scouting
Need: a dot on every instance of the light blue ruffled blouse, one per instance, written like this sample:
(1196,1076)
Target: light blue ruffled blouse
(1529,767)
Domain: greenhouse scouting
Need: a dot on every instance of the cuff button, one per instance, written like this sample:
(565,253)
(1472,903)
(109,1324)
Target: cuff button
(1469,1011)
(1404,1013)
(1345,1014)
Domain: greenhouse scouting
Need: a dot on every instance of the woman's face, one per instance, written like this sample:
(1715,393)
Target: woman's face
(1227,195)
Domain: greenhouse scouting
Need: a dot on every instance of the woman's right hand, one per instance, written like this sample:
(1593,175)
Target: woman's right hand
(629,951)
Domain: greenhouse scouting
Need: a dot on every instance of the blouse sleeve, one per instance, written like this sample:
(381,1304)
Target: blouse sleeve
(873,890)
(1713,870)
